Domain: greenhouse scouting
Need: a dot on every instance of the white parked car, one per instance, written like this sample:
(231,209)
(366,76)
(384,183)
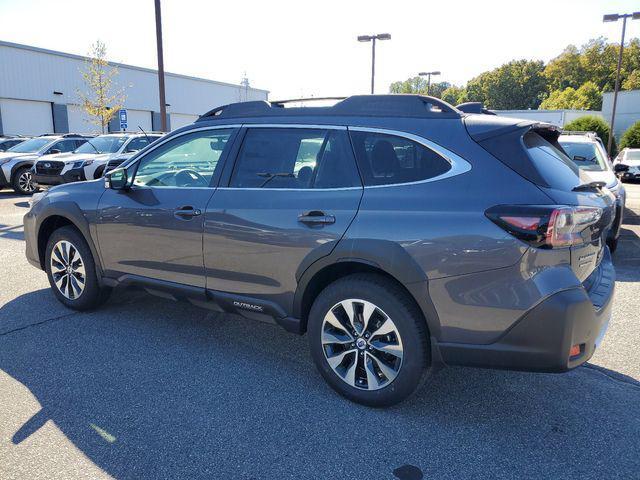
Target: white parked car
(90,160)
(588,154)
(630,158)
(16,162)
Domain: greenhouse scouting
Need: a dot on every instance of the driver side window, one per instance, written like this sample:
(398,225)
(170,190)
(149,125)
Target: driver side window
(187,161)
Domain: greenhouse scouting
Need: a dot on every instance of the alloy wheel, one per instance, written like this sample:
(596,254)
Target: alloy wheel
(25,182)
(361,344)
(67,269)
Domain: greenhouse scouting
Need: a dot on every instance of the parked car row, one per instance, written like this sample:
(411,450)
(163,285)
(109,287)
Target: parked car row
(53,159)
(91,160)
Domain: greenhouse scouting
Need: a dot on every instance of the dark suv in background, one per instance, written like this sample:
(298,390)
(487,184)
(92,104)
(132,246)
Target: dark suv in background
(398,232)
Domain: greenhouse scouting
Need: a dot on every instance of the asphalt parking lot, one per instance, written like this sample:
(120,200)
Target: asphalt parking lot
(148,388)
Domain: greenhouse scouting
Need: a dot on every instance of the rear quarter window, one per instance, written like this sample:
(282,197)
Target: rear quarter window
(385,159)
(551,163)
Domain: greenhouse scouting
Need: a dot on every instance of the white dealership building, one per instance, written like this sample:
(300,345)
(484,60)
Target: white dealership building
(39,94)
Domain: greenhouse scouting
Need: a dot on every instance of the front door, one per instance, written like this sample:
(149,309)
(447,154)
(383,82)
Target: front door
(291,196)
(154,229)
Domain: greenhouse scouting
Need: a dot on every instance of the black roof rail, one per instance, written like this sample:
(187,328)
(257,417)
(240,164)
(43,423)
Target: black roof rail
(418,106)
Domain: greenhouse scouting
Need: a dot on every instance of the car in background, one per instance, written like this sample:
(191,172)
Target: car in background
(8,141)
(16,162)
(627,164)
(89,161)
(586,151)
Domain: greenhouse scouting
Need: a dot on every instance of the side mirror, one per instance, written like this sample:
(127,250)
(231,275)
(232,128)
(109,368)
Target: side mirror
(55,150)
(116,179)
(620,168)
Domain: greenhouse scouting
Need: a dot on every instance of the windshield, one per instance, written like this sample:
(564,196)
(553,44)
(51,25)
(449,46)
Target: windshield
(106,144)
(587,156)
(633,155)
(30,146)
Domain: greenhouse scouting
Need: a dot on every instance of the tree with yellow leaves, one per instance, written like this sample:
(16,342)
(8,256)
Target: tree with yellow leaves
(101,98)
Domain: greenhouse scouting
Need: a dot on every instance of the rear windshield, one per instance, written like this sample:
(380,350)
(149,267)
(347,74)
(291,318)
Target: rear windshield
(551,163)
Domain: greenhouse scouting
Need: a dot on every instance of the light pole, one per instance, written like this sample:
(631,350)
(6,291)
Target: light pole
(372,39)
(614,17)
(163,103)
(428,75)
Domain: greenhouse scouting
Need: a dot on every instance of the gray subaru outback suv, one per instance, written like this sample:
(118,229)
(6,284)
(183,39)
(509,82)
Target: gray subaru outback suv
(400,233)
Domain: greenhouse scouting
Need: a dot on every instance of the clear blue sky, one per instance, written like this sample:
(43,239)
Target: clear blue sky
(306,48)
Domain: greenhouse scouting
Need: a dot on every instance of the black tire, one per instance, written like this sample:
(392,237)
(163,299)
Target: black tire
(92,294)
(391,299)
(613,244)
(99,172)
(17,182)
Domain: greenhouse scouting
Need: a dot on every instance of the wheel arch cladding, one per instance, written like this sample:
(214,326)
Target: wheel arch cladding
(60,216)
(366,256)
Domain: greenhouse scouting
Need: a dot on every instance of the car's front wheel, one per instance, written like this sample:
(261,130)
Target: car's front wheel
(22,181)
(71,270)
(368,340)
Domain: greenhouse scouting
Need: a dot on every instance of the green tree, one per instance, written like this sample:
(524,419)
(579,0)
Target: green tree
(100,98)
(632,82)
(418,85)
(631,137)
(587,97)
(592,123)
(566,70)
(455,95)
(518,84)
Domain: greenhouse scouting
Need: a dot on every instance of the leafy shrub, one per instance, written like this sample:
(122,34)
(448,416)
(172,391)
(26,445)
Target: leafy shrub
(631,138)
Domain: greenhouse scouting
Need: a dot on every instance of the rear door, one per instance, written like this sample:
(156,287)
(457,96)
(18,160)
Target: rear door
(290,196)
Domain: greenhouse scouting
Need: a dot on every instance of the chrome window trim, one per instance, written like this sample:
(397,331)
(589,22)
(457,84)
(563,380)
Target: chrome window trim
(458,164)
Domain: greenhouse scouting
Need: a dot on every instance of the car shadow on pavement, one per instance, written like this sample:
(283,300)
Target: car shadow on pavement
(149,388)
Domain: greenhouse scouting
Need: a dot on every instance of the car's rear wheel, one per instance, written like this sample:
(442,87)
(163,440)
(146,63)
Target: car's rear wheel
(71,270)
(22,181)
(368,340)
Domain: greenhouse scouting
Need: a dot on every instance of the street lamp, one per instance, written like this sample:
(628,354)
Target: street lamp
(428,75)
(614,17)
(372,39)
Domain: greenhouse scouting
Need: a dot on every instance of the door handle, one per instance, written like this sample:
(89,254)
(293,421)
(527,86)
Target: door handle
(187,212)
(316,217)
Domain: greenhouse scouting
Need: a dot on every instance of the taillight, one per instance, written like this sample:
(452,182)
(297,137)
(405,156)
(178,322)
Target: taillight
(545,226)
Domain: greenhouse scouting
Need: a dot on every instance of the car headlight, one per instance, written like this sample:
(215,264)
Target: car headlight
(82,164)
(36,197)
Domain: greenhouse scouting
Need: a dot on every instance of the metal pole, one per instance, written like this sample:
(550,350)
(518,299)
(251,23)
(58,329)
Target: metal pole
(428,82)
(373,63)
(617,86)
(163,103)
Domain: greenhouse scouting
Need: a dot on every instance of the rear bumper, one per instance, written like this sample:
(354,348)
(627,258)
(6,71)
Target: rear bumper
(542,338)
(73,175)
